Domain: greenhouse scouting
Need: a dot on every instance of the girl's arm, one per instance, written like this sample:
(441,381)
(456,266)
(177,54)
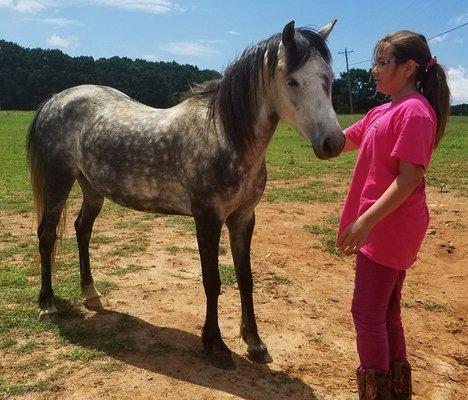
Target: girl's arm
(408,179)
(349,145)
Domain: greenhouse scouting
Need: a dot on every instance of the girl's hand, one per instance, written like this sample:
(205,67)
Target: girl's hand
(353,236)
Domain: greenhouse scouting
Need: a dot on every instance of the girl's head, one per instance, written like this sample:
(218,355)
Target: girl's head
(403,59)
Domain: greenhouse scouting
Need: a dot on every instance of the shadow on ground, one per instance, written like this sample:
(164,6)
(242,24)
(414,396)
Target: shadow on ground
(175,353)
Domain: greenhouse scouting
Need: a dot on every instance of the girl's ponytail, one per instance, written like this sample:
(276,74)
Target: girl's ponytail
(433,85)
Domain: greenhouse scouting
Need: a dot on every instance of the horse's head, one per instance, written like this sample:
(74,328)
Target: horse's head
(303,86)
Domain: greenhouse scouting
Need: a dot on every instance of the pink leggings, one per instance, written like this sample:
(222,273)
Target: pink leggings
(377,314)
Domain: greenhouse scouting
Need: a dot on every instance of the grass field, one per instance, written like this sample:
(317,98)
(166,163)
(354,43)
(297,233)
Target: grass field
(295,175)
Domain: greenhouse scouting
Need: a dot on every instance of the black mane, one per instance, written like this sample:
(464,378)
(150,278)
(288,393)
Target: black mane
(234,96)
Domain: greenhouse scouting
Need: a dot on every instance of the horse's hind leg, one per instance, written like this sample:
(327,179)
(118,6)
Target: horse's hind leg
(92,205)
(55,196)
(241,225)
(208,233)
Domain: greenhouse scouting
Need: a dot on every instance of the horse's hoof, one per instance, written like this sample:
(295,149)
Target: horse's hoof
(48,315)
(95,302)
(222,360)
(259,354)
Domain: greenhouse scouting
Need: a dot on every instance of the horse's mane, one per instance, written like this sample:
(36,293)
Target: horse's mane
(234,96)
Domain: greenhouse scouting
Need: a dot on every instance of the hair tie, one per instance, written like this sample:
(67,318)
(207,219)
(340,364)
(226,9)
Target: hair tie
(431,63)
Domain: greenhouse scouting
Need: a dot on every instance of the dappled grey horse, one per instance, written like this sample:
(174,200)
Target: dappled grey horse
(204,157)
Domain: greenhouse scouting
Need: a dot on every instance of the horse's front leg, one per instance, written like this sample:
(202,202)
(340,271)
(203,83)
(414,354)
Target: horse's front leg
(241,225)
(208,233)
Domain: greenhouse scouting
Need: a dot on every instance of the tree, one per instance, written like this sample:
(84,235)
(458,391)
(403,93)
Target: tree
(30,76)
(460,109)
(362,90)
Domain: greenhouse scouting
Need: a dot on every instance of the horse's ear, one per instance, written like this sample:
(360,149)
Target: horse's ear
(325,31)
(287,37)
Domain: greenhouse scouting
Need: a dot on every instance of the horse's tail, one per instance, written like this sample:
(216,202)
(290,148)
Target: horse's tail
(36,170)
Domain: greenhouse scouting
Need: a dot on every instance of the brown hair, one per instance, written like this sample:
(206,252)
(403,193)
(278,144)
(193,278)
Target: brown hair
(431,82)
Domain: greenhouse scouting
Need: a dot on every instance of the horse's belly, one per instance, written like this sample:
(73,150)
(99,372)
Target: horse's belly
(146,194)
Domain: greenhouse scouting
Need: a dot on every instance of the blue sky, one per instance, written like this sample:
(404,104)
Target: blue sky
(210,33)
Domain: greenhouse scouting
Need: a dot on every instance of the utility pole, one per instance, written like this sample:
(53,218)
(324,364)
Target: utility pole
(346,52)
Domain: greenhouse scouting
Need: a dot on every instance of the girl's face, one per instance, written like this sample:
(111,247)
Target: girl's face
(390,76)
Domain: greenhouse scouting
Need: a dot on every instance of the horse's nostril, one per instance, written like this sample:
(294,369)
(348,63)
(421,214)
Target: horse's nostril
(327,146)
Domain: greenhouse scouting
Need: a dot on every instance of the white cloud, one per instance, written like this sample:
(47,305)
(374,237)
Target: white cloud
(458,82)
(149,6)
(189,49)
(460,19)
(25,6)
(57,41)
(150,57)
(233,32)
(439,39)
(56,21)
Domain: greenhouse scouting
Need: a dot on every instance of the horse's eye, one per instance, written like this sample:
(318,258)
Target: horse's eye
(292,82)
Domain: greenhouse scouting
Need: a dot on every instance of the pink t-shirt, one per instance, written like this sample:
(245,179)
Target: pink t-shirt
(403,130)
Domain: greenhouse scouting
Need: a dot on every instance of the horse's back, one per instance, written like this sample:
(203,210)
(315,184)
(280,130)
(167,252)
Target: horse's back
(88,101)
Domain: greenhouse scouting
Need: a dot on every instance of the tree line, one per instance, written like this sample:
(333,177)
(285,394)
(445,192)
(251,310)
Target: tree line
(30,76)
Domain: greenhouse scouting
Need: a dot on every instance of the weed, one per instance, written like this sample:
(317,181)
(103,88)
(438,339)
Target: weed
(26,348)
(187,223)
(433,306)
(277,279)
(326,235)
(227,273)
(111,366)
(81,354)
(135,245)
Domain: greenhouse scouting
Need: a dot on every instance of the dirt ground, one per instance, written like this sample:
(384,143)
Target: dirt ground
(302,298)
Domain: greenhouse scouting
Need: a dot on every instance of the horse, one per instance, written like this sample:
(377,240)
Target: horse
(204,157)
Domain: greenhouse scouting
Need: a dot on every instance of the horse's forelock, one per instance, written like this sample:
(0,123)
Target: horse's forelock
(306,40)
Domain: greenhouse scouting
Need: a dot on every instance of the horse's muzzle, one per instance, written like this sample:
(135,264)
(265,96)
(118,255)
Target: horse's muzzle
(330,145)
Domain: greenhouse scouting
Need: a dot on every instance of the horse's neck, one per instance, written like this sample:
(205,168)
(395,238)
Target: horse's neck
(264,126)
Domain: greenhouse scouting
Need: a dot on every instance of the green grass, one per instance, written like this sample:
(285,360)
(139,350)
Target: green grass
(187,223)
(83,355)
(131,246)
(227,274)
(309,192)
(275,279)
(449,165)
(290,157)
(326,234)
(428,305)
(15,192)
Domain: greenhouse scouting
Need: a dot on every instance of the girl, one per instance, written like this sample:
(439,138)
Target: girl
(385,216)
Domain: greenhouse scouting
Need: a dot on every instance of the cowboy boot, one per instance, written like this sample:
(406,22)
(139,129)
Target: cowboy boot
(400,372)
(373,385)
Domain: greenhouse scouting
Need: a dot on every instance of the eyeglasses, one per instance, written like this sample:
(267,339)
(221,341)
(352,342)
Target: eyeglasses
(381,63)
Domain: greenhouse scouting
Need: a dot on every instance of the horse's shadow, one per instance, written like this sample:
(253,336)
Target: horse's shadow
(176,354)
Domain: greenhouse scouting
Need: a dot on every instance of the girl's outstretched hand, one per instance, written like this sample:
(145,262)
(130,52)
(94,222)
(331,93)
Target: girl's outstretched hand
(353,236)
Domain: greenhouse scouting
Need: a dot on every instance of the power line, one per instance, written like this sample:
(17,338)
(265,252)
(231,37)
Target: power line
(433,37)
(450,30)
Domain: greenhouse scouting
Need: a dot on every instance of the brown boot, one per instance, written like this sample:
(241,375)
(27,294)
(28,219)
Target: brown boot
(400,372)
(373,385)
